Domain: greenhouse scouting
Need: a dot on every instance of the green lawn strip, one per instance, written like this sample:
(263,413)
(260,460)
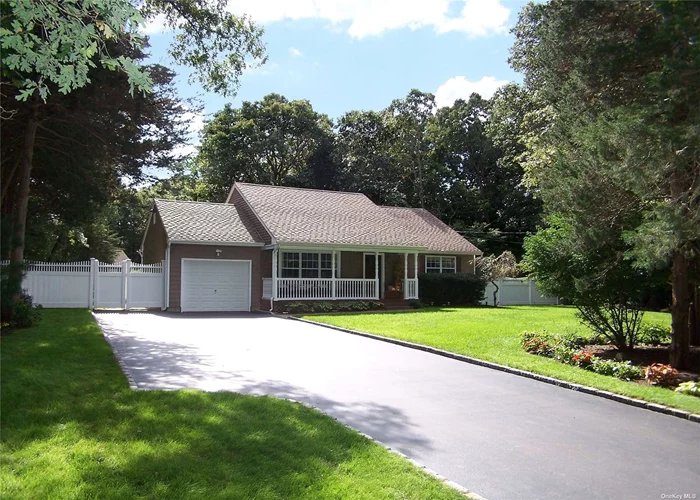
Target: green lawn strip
(493,334)
(72,428)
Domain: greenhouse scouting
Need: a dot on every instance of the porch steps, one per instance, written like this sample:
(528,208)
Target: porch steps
(391,304)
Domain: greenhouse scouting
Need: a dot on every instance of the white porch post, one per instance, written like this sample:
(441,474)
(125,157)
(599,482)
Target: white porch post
(333,274)
(415,271)
(275,252)
(405,275)
(376,275)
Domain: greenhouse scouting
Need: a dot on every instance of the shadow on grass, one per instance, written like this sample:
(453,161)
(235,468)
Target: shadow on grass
(61,386)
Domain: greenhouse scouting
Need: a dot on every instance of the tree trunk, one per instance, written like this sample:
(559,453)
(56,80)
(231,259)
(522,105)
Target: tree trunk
(680,343)
(695,317)
(25,173)
(495,294)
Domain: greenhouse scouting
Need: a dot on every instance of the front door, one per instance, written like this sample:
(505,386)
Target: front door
(370,272)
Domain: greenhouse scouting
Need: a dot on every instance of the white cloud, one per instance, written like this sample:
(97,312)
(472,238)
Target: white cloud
(195,125)
(373,17)
(155,26)
(460,87)
(295,52)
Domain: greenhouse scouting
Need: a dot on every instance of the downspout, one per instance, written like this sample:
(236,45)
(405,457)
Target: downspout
(273,295)
(167,276)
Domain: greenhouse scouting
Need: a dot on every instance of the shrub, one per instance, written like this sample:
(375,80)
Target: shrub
(621,369)
(327,306)
(661,375)
(453,289)
(25,313)
(583,359)
(654,334)
(416,304)
(539,343)
(689,388)
(563,352)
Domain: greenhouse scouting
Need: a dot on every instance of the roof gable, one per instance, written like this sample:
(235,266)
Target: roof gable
(200,222)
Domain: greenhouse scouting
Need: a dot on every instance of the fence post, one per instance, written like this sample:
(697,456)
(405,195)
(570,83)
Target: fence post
(94,271)
(529,292)
(126,267)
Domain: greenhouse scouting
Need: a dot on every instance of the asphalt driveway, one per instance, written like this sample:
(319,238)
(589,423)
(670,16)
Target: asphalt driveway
(499,435)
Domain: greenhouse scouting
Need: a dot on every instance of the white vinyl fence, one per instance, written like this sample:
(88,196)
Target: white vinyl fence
(517,291)
(93,284)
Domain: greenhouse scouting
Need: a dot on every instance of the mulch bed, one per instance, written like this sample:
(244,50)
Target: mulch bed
(646,355)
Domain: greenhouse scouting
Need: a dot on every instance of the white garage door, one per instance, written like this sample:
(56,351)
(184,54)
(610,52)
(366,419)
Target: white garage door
(215,285)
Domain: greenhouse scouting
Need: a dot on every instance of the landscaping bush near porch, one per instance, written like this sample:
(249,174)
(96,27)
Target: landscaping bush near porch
(72,428)
(455,289)
(330,306)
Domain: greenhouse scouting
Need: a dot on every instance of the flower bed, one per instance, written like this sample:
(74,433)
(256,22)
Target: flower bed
(571,350)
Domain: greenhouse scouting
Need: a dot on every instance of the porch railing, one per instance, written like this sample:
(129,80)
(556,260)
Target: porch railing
(321,288)
(410,288)
(355,289)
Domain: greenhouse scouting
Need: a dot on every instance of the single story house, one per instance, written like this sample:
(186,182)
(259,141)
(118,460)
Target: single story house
(269,244)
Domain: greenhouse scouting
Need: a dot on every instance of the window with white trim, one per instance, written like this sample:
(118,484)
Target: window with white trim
(440,264)
(307,265)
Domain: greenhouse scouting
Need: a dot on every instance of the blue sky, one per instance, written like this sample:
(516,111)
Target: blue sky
(360,54)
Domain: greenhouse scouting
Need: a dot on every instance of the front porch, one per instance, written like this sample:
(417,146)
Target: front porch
(341,275)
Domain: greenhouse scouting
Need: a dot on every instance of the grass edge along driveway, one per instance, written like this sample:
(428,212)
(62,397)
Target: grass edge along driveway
(72,428)
(493,334)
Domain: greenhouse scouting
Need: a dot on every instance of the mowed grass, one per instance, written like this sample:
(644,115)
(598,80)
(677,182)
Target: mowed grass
(493,334)
(72,428)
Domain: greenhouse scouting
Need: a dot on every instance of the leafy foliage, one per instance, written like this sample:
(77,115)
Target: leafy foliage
(268,142)
(654,334)
(661,375)
(690,388)
(455,289)
(492,268)
(594,276)
(56,42)
(321,306)
(25,313)
(567,349)
(614,145)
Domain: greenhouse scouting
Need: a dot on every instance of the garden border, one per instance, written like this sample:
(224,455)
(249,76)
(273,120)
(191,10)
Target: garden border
(666,410)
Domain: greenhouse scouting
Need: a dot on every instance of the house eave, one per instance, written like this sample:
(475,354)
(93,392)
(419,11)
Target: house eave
(218,243)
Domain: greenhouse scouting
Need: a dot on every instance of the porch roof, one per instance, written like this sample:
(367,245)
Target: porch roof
(300,216)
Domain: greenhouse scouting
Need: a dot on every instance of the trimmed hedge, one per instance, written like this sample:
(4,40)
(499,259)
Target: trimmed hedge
(453,289)
(331,306)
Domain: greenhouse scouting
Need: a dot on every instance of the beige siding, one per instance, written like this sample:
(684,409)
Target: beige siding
(178,252)
(156,241)
(251,221)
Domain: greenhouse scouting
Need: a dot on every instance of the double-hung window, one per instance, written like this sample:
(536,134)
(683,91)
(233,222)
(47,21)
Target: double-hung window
(307,265)
(440,264)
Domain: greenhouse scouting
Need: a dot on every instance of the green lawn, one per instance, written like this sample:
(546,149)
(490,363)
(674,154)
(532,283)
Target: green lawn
(493,334)
(71,428)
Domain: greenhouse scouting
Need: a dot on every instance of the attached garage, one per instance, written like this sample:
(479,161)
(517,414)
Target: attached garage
(215,285)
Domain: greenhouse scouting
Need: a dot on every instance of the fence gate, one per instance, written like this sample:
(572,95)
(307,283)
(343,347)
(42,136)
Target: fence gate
(94,284)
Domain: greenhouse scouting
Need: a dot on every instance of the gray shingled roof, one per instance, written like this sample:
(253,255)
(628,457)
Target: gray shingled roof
(296,215)
(202,222)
